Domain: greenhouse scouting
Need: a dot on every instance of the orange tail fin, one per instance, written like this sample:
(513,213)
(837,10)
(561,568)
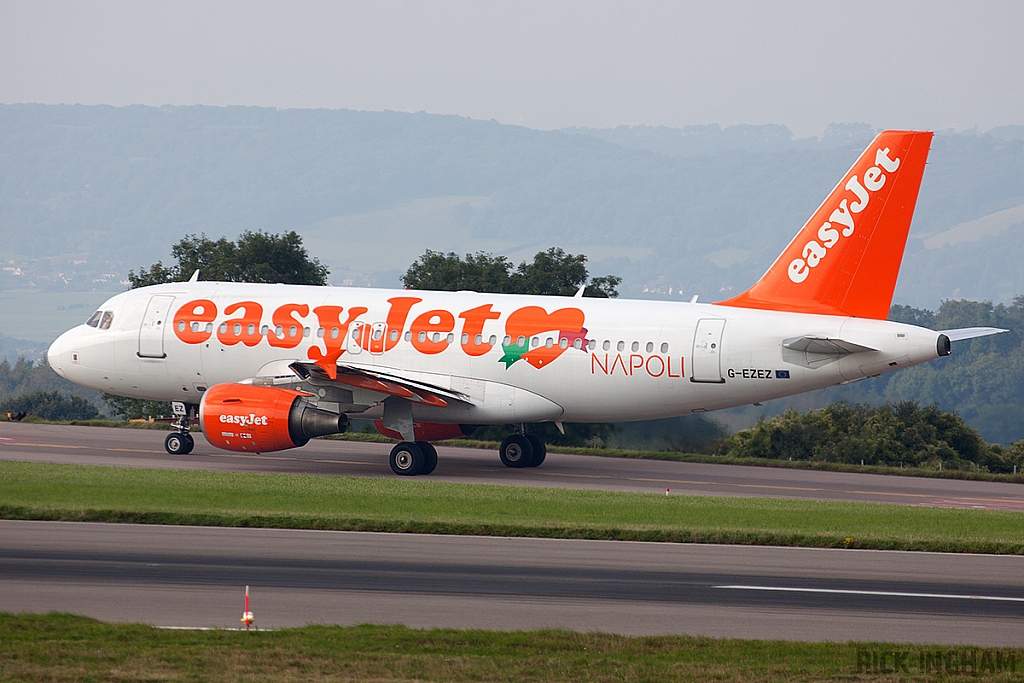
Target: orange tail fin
(846,258)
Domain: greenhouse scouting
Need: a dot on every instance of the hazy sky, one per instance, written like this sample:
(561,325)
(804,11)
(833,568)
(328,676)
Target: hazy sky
(543,64)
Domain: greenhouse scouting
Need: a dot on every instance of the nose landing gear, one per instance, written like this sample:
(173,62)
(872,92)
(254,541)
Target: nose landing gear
(180,442)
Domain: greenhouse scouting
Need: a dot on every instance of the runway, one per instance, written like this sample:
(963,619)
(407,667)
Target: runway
(143,448)
(195,577)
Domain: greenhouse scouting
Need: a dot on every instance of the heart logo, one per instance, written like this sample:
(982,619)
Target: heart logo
(534,321)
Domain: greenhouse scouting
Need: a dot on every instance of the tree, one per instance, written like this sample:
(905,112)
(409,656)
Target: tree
(51,405)
(553,272)
(890,434)
(254,257)
(136,408)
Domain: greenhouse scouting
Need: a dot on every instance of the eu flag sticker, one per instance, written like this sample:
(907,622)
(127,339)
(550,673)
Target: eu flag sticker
(782,374)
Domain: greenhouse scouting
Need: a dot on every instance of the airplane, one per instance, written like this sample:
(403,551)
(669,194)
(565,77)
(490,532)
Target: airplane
(268,367)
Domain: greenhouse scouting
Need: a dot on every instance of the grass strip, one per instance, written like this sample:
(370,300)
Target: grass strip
(114,494)
(61,647)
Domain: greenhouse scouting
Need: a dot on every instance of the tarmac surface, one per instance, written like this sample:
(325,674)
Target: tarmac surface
(144,448)
(196,577)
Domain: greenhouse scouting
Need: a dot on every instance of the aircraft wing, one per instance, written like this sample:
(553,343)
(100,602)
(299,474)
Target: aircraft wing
(391,384)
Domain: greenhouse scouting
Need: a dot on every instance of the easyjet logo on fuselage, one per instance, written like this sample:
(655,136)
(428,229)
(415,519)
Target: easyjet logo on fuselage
(430,332)
(841,222)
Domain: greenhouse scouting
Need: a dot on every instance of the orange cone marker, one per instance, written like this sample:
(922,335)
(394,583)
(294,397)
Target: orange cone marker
(247,617)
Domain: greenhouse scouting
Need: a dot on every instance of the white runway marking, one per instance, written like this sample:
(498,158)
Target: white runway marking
(897,594)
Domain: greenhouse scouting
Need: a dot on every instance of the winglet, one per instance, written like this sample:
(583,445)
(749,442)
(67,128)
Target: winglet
(846,258)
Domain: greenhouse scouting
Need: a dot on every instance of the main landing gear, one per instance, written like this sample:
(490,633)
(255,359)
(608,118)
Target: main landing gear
(180,442)
(410,458)
(522,450)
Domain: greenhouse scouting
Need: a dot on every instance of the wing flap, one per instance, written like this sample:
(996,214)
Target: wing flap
(385,383)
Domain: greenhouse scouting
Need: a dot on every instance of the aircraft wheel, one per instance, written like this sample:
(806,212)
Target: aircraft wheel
(177,443)
(540,450)
(429,456)
(516,451)
(406,459)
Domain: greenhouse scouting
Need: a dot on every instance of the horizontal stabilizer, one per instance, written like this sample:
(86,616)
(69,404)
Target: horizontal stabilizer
(970,332)
(824,346)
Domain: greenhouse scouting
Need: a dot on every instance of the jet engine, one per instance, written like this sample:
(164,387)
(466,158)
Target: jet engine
(260,419)
(428,431)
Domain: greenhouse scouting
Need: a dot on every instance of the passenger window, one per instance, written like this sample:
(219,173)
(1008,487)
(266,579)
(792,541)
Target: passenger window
(607,345)
(408,336)
(592,345)
(94,319)
(578,344)
(664,347)
(549,342)
(650,347)
(108,317)
(621,346)
(635,347)
(492,340)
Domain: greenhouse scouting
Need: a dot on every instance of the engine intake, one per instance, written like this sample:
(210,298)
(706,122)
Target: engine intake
(259,419)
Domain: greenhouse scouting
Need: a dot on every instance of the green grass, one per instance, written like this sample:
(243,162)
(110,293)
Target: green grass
(60,647)
(76,492)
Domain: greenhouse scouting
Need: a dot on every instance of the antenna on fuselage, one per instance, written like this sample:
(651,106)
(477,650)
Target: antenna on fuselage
(195,276)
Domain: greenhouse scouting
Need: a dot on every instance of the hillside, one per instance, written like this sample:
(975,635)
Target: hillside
(87,192)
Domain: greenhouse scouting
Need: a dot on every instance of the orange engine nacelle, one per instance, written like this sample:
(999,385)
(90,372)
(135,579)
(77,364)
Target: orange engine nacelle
(255,419)
(427,431)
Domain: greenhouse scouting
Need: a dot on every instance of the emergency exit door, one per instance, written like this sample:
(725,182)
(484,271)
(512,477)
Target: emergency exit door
(706,361)
(151,333)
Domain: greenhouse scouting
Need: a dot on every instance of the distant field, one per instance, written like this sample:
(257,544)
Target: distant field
(60,647)
(44,316)
(112,494)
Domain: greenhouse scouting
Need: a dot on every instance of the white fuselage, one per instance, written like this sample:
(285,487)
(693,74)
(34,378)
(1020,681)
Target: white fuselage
(628,360)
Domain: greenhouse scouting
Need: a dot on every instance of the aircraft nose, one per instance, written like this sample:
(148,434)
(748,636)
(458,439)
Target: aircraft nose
(53,355)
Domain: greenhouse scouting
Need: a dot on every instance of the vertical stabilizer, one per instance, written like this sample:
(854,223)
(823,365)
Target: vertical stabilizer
(846,258)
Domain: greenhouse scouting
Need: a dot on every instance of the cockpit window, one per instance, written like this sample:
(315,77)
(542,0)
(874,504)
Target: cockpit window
(108,317)
(94,319)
